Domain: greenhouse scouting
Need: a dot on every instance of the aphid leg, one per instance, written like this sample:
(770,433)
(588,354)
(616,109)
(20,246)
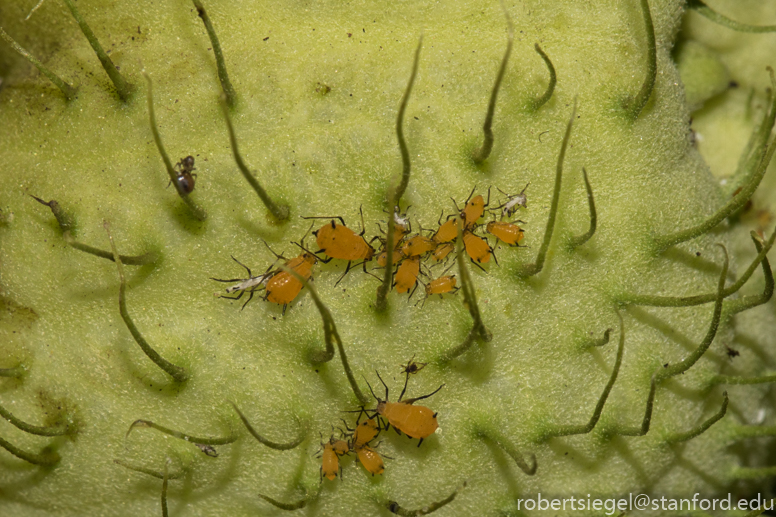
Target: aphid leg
(343,274)
(420,441)
(285,306)
(413,291)
(478,265)
(404,390)
(363,226)
(250,297)
(367,272)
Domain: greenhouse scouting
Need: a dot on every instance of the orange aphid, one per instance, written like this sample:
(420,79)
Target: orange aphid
(473,211)
(364,433)
(406,276)
(330,465)
(417,246)
(382,258)
(477,248)
(370,459)
(508,233)
(447,232)
(441,285)
(475,207)
(414,421)
(283,288)
(340,242)
(442,251)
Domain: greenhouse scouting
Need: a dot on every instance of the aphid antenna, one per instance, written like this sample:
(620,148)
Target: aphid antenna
(383,382)
(277,257)
(330,217)
(372,391)
(305,249)
(412,401)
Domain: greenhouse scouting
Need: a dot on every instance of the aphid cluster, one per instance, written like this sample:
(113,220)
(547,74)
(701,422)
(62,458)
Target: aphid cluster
(417,422)
(335,240)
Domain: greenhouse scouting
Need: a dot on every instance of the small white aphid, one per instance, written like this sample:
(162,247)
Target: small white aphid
(246,285)
(250,283)
(398,220)
(513,203)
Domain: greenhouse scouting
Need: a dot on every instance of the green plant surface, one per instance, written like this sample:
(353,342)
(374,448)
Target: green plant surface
(318,86)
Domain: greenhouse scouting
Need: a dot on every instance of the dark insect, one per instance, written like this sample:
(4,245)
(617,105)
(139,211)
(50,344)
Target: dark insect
(184,181)
(731,352)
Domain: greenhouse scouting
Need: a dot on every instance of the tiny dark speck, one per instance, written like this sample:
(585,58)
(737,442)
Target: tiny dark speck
(350,34)
(416,118)
(265,39)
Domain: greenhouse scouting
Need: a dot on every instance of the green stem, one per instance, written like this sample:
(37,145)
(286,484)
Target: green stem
(17,371)
(603,340)
(568,430)
(150,472)
(499,439)
(687,301)
(123,88)
(67,90)
(394,195)
(752,152)
(164,492)
(535,268)
(541,101)
(753,300)
(129,260)
(405,153)
(692,433)
(739,200)
(581,239)
(183,436)
(289,507)
(46,458)
(330,333)
(381,304)
(64,220)
(478,331)
(279,212)
(330,330)
(176,372)
(645,423)
(685,364)
(394,507)
(67,226)
(272,445)
(730,379)
(198,212)
(481,154)
(223,76)
(714,16)
(57,430)
(634,105)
